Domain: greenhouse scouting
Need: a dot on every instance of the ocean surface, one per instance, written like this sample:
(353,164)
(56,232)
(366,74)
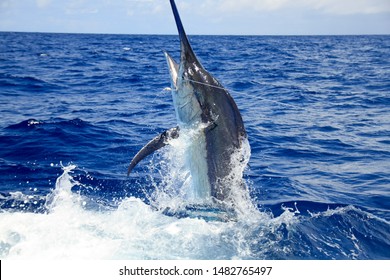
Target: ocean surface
(74,110)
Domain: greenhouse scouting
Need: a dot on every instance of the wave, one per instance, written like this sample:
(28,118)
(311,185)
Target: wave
(15,83)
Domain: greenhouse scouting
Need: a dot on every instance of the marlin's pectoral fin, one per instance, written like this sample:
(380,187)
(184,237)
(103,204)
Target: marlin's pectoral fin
(156,143)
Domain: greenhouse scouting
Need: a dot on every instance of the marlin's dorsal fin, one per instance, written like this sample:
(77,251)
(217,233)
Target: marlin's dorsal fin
(156,143)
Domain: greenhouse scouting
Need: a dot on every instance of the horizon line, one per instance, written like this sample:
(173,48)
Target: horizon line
(164,34)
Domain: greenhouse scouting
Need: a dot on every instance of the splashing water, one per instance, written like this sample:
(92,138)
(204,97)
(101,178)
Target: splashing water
(178,190)
(69,229)
(134,230)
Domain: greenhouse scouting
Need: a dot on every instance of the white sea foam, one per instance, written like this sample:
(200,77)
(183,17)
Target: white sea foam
(182,168)
(134,230)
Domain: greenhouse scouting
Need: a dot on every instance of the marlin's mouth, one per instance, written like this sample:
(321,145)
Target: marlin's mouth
(173,70)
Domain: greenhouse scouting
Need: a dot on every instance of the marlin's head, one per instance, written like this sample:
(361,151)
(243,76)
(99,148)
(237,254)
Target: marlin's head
(186,77)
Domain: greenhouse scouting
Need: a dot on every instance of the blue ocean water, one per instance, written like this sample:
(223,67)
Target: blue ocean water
(76,108)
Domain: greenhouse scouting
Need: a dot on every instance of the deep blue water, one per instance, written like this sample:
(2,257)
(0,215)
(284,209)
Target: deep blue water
(75,109)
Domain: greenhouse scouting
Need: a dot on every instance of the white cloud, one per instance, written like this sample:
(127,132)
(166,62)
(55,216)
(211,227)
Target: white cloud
(341,7)
(348,7)
(80,7)
(151,7)
(264,5)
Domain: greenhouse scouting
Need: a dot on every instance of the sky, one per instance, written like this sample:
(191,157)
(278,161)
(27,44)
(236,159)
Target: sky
(206,17)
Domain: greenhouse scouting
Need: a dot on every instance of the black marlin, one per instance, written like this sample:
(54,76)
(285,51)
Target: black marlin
(202,104)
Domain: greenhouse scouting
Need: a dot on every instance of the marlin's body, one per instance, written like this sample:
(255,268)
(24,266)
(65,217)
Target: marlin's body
(202,103)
